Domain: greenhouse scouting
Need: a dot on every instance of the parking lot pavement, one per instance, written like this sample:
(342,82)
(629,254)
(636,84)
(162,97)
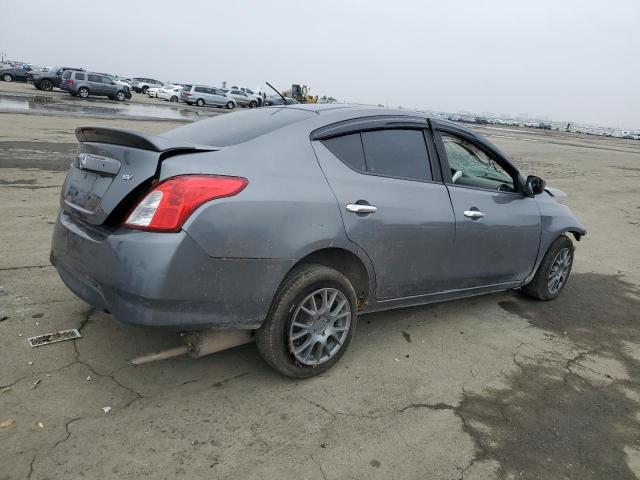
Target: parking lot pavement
(489,387)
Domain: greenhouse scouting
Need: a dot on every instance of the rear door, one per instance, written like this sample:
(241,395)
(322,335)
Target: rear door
(497,227)
(392,200)
(95,84)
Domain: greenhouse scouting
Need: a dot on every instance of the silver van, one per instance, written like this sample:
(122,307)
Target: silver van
(201,96)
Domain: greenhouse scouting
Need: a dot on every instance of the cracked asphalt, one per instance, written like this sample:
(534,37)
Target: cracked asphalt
(496,386)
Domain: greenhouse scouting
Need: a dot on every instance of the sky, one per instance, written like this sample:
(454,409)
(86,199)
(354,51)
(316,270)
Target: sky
(564,60)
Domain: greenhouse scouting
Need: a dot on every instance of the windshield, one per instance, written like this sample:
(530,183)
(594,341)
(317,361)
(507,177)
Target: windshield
(238,127)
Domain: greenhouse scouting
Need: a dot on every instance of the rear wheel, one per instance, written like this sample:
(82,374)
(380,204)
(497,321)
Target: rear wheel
(229,105)
(120,96)
(253,104)
(46,85)
(83,92)
(7,77)
(174,99)
(553,272)
(200,102)
(311,322)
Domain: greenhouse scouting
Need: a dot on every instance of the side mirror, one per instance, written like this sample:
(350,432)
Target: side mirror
(534,186)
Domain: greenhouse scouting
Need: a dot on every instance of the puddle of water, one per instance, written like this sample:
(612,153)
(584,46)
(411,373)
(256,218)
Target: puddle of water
(40,104)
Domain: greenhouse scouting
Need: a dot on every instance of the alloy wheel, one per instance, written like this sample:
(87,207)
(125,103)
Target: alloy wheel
(319,326)
(559,271)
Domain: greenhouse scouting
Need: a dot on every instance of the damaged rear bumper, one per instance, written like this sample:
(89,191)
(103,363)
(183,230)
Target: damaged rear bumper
(163,279)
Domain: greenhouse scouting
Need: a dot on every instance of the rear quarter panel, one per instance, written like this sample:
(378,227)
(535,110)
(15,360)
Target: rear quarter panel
(286,211)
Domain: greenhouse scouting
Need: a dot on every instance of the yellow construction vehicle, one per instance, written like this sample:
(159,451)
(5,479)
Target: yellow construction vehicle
(301,94)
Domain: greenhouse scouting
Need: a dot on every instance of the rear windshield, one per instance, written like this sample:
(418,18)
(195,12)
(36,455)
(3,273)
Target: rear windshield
(238,127)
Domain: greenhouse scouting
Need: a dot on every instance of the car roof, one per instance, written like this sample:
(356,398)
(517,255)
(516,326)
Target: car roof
(370,110)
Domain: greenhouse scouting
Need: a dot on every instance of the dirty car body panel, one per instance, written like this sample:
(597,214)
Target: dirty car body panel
(223,266)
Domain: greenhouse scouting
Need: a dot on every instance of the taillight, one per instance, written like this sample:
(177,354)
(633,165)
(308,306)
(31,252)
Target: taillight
(71,82)
(171,202)
(188,94)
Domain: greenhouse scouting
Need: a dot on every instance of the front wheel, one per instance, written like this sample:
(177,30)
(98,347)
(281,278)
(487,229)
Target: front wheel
(46,85)
(553,272)
(253,104)
(7,77)
(120,96)
(174,99)
(311,322)
(229,105)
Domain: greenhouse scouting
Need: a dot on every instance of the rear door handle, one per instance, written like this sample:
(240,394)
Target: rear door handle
(358,208)
(473,214)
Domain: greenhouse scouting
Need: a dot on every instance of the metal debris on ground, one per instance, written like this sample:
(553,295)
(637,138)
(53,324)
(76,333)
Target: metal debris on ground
(40,424)
(106,409)
(36,383)
(48,338)
(6,423)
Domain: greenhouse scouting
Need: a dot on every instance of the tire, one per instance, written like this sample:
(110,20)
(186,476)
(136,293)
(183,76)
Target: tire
(174,99)
(276,338)
(83,92)
(144,90)
(120,96)
(46,85)
(7,77)
(253,104)
(558,259)
(200,102)
(229,105)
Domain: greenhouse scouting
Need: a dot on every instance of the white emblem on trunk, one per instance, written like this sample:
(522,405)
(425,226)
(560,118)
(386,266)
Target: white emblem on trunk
(127,176)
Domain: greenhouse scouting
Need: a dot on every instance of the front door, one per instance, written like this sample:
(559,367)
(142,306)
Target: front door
(497,228)
(393,206)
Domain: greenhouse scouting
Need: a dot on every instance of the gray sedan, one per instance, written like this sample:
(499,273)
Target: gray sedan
(291,221)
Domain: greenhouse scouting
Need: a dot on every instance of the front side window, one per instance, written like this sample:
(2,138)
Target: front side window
(472,167)
(67,74)
(393,153)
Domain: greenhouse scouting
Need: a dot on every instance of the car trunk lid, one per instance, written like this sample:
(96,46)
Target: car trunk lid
(113,168)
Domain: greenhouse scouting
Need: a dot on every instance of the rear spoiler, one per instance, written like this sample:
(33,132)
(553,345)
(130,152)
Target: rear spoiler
(129,138)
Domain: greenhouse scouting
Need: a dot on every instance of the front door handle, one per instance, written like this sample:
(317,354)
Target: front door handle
(358,208)
(473,214)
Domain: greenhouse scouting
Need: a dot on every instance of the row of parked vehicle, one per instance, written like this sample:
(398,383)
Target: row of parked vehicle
(202,95)
(81,83)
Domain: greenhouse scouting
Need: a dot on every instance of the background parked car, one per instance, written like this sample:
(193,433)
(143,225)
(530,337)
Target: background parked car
(243,98)
(47,80)
(202,95)
(251,93)
(84,84)
(141,85)
(170,93)
(14,74)
(276,100)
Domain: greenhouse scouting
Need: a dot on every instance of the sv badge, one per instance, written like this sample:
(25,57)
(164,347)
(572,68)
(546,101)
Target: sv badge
(127,176)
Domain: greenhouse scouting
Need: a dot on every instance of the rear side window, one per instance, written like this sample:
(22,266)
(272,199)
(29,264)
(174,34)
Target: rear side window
(80,76)
(95,78)
(398,153)
(200,90)
(394,153)
(348,148)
